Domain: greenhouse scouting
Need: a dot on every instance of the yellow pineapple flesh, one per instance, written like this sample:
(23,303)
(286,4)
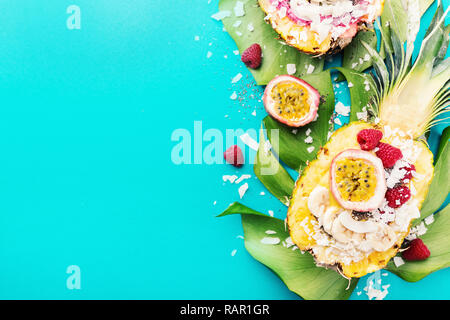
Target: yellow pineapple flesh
(305,39)
(302,222)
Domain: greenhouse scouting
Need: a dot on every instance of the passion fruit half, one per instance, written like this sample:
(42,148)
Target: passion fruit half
(357,180)
(291,101)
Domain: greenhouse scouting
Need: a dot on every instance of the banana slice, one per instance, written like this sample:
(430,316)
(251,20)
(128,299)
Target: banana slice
(357,226)
(318,200)
(327,218)
(382,239)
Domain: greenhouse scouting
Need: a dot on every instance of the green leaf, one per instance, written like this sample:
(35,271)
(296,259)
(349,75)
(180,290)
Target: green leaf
(440,185)
(424,5)
(437,239)
(236,207)
(359,95)
(298,271)
(394,14)
(444,141)
(271,173)
(290,145)
(277,54)
(355,55)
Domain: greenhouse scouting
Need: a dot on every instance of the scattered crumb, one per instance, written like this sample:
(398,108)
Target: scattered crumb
(270,240)
(243,189)
(398,261)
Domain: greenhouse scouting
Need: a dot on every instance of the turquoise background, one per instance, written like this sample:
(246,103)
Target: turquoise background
(86,176)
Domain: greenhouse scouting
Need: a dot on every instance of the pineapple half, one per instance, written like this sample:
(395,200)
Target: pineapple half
(407,102)
(320,26)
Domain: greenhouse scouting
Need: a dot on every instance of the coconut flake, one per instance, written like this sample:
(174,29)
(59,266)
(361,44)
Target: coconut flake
(243,189)
(429,220)
(398,261)
(291,68)
(237,23)
(249,141)
(270,240)
(230,178)
(239,9)
(310,69)
(342,109)
(221,15)
(236,78)
(243,177)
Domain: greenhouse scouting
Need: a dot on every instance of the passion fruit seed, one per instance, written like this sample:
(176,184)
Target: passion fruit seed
(355,179)
(291,100)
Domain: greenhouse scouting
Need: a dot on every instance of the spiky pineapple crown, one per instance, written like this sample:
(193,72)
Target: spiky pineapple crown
(407,97)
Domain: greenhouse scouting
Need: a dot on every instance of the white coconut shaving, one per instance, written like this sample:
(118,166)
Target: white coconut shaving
(249,141)
(230,178)
(270,240)
(342,109)
(291,68)
(242,190)
(236,78)
(242,178)
(239,9)
(398,261)
(221,15)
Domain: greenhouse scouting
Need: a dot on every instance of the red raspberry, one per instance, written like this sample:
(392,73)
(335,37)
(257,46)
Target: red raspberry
(417,251)
(409,172)
(368,138)
(396,197)
(233,155)
(388,154)
(252,56)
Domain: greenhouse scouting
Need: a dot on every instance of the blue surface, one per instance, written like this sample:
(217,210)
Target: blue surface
(86,175)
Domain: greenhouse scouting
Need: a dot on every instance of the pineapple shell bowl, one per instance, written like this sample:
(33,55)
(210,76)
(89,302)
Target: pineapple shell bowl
(320,27)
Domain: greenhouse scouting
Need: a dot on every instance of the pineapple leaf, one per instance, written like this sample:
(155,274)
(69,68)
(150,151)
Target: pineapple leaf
(393,14)
(440,185)
(276,53)
(290,139)
(362,92)
(443,143)
(437,239)
(271,173)
(435,43)
(414,97)
(355,56)
(298,271)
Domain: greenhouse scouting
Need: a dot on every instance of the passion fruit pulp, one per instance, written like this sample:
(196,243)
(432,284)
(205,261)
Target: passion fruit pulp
(291,101)
(357,180)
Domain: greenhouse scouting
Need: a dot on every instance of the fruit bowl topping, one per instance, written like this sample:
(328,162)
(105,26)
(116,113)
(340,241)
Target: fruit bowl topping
(291,101)
(320,26)
(357,180)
